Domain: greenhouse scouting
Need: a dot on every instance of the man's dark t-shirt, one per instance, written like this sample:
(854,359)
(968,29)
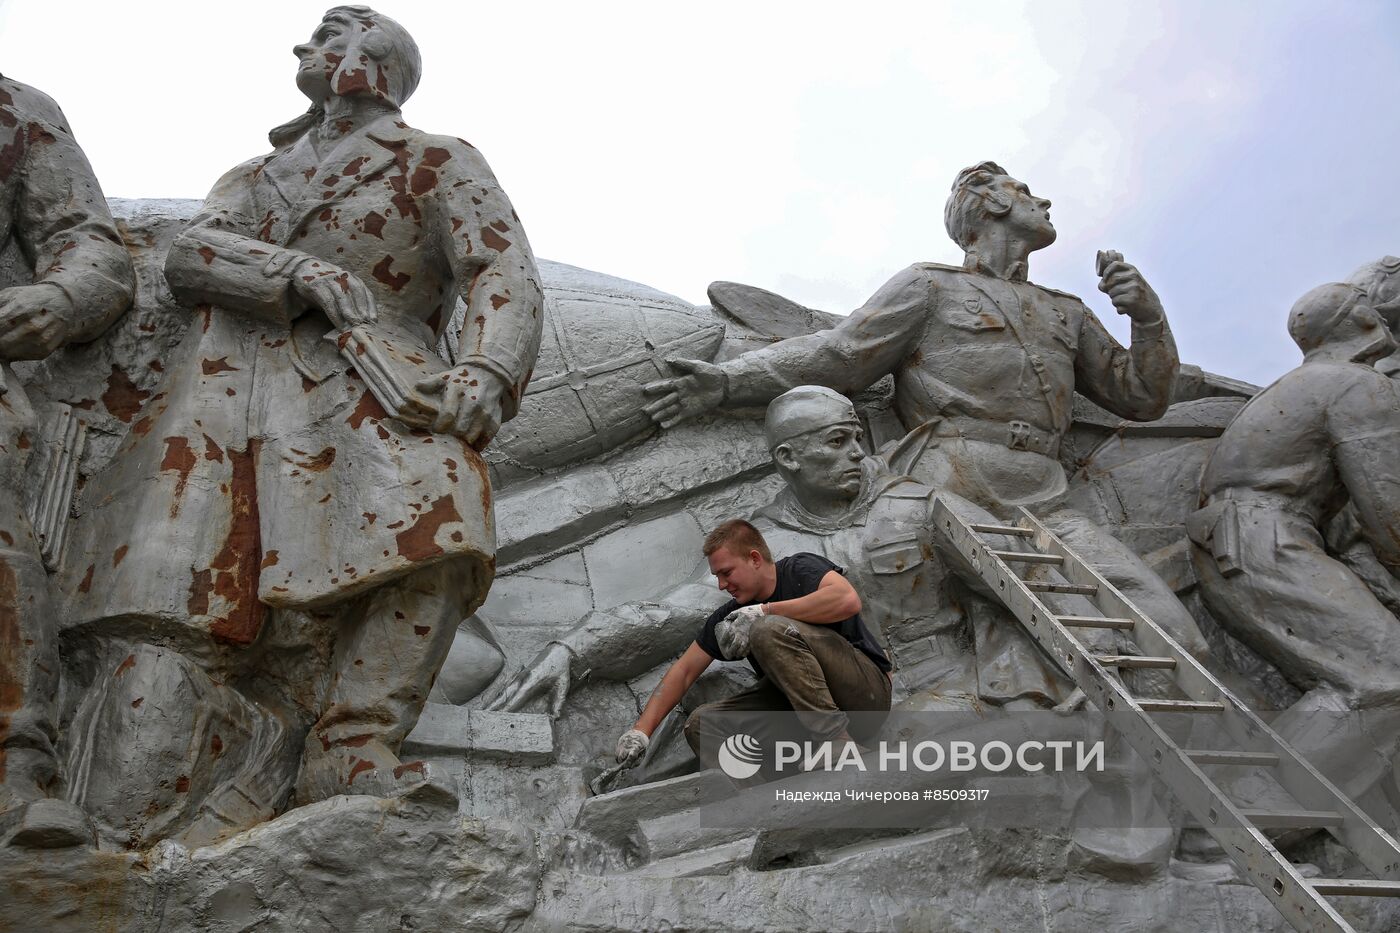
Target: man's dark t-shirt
(798,575)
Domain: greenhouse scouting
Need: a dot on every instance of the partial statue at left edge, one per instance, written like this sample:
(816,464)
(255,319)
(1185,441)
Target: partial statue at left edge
(274,567)
(70,279)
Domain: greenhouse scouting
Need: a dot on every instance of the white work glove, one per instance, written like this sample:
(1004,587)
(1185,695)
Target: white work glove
(732,632)
(631,747)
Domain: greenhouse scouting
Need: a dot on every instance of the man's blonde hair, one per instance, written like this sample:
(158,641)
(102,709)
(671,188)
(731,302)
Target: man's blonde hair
(740,537)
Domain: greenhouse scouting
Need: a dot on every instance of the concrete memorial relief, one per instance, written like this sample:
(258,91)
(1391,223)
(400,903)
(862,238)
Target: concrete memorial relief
(345,537)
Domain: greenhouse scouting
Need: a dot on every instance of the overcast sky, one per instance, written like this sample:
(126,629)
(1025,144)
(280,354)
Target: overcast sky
(1239,154)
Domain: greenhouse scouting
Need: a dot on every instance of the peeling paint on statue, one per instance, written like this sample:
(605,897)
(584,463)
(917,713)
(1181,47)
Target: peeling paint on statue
(310,395)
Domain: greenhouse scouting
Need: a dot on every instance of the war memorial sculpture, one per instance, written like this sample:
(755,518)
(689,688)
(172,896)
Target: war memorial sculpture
(346,541)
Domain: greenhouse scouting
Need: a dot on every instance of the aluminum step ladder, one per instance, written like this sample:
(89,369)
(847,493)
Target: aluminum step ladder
(1302,901)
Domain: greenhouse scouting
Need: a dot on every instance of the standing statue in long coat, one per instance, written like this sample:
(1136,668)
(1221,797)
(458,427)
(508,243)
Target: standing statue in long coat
(67,279)
(309,452)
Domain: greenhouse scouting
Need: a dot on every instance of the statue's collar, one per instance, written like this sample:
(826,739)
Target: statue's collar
(1017,273)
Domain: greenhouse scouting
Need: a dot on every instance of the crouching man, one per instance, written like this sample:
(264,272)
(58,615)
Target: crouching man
(798,623)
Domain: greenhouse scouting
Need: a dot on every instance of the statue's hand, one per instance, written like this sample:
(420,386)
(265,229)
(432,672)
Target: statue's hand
(698,389)
(1128,290)
(469,402)
(340,294)
(548,675)
(1073,703)
(34,321)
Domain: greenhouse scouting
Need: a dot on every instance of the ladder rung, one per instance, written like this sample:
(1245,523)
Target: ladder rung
(1207,756)
(1135,661)
(1095,622)
(1002,530)
(1029,557)
(1074,589)
(1293,819)
(1357,887)
(1181,706)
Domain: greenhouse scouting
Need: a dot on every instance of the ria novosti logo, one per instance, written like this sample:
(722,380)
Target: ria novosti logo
(740,756)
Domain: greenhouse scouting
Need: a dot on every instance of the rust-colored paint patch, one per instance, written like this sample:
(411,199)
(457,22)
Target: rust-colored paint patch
(236,565)
(214,367)
(86,585)
(318,463)
(422,630)
(212,450)
(182,784)
(354,741)
(11,688)
(142,426)
(415,766)
(201,583)
(180,459)
(269,560)
(360,766)
(125,666)
(119,554)
(395,280)
(11,153)
(423,180)
(494,240)
(416,542)
(206,254)
(136,703)
(367,407)
(122,398)
(374,224)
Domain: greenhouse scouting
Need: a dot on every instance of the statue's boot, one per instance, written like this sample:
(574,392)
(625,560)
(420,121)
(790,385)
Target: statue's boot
(365,767)
(1120,829)
(36,820)
(235,807)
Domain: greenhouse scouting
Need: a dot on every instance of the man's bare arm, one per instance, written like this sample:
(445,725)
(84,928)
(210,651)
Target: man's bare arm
(678,679)
(834,600)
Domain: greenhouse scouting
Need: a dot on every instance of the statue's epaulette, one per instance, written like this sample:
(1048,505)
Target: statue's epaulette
(940,267)
(943,267)
(1056,291)
(908,490)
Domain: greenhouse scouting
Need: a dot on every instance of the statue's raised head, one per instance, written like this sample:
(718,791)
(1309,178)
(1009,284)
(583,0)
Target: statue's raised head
(985,193)
(1380,280)
(1338,315)
(356,50)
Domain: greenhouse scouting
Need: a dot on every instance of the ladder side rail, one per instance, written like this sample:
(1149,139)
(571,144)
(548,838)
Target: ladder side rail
(1375,847)
(1151,639)
(1245,844)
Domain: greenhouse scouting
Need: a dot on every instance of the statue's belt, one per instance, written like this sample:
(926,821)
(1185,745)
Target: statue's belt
(1216,528)
(1015,435)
